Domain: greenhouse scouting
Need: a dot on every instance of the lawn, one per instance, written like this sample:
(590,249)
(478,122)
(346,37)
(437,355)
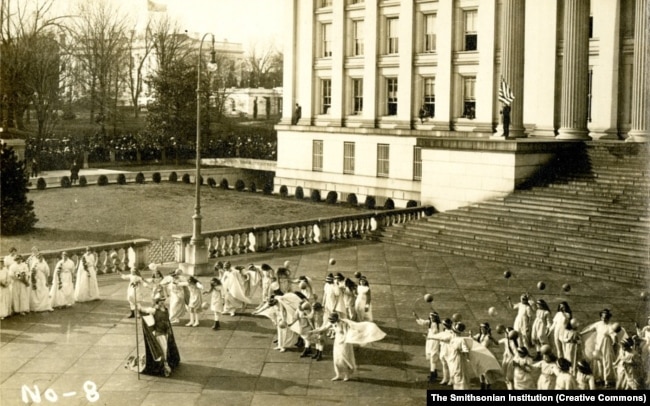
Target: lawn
(93,215)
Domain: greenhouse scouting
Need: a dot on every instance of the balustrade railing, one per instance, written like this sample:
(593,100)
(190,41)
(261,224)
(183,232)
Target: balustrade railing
(245,240)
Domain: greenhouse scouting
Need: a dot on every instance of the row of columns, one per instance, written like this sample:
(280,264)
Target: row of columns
(575,68)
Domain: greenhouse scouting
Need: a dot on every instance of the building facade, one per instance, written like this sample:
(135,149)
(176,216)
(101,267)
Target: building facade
(373,77)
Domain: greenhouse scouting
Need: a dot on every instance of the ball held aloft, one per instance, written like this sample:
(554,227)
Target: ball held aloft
(428,298)
(507,274)
(332,261)
(541,285)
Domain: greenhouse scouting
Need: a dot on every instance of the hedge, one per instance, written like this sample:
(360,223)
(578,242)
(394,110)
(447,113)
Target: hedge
(370,202)
(212,182)
(268,188)
(156,178)
(83,181)
(332,197)
(240,185)
(224,184)
(139,178)
(300,194)
(65,182)
(389,204)
(102,180)
(411,203)
(352,199)
(315,195)
(284,191)
(253,187)
(173,177)
(186,178)
(41,184)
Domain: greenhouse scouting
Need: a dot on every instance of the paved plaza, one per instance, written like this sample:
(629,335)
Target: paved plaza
(236,365)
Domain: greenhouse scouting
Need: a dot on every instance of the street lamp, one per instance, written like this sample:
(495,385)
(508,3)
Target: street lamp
(199,256)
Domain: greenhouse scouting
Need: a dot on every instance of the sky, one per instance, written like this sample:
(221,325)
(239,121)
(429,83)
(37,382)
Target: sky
(249,22)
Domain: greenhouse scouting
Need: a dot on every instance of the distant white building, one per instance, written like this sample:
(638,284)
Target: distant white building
(254,103)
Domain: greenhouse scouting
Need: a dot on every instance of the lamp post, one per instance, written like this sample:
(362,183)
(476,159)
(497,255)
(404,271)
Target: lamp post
(198,258)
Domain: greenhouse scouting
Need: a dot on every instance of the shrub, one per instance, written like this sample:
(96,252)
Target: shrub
(156,178)
(370,202)
(315,195)
(332,197)
(173,177)
(16,211)
(240,185)
(102,180)
(212,182)
(352,199)
(186,178)
(389,204)
(121,179)
(139,178)
(429,210)
(411,203)
(83,181)
(268,188)
(300,194)
(200,180)
(224,184)
(65,182)
(41,184)
(253,187)
(284,192)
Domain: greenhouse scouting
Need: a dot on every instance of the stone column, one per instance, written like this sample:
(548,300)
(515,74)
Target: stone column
(370,96)
(513,16)
(640,130)
(288,74)
(304,73)
(337,112)
(405,75)
(444,76)
(575,71)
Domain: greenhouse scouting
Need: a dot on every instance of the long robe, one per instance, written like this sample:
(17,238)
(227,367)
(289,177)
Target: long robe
(176,299)
(539,330)
(5,293)
(558,325)
(21,287)
(548,372)
(599,336)
(522,323)
(157,336)
(86,287)
(62,289)
(360,303)
(234,287)
(39,299)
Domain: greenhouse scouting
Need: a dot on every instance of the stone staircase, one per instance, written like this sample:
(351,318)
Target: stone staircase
(587,214)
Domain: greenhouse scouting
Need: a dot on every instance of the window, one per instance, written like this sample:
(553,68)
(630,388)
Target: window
(326,93)
(357,37)
(392,35)
(417,163)
(327,40)
(357,96)
(391,96)
(317,155)
(382,160)
(355,1)
(429,105)
(326,3)
(348,157)
(471,36)
(469,98)
(430,33)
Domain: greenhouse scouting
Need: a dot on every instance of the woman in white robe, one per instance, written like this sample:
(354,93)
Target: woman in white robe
(86,288)
(176,296)
(62,289)
(39,299)
(362,304)
(21,286)
(5,291)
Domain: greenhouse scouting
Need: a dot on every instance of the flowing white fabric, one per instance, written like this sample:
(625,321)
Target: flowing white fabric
(364,332)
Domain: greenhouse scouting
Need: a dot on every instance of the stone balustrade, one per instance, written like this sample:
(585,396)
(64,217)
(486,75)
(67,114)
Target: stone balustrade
(244,240)
(112,257)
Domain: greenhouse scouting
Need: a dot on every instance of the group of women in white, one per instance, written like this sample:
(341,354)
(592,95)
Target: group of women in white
(25,283)
(541,351)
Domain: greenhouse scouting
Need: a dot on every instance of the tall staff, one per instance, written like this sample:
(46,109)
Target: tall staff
(137,345)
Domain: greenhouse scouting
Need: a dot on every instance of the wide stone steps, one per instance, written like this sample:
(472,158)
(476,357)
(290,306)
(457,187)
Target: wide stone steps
(590,218)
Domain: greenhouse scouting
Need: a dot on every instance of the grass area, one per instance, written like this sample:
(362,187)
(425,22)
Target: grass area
(93,215)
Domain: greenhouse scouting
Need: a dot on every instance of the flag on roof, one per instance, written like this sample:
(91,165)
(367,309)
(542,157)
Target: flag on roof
(505,93)
(156,7)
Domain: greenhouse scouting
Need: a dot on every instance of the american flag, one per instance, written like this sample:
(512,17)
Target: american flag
(505,93)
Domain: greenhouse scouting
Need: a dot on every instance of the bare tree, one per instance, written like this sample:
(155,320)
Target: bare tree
(140,47)
(100,46)
(264,66)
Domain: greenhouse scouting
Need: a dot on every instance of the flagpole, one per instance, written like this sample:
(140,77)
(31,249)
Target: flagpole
(137,345)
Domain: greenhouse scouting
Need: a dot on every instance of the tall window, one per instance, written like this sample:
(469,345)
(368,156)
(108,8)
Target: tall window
(392,35)
(382,160)
(327,40)
(326,93)
(469,98)
(348,157)
(357,37)
(391,96)
(355,1)
(326,3)
(317,155)
(430,33)
(471,35)
(357,96)
(429,105)
(417,163)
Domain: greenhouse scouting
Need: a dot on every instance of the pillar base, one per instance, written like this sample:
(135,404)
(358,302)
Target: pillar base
(572,134)
(638,136)
(196,260)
